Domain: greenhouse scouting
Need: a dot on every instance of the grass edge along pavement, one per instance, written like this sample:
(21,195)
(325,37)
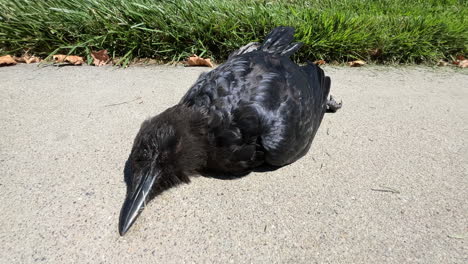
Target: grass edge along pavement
(380,31)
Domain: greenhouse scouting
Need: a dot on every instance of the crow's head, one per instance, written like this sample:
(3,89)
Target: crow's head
(166,150)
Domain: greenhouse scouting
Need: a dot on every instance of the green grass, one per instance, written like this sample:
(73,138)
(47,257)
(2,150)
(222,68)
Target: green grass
(381,31)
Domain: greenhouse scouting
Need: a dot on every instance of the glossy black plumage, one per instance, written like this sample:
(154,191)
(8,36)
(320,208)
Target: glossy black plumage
(257,108)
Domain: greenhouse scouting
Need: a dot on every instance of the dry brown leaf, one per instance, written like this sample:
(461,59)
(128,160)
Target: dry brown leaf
(19,59)
(27,59)
(33,59)
(100,58)
(75,60)
(442,63)
(198,61)
(7,61)
(461,61)
(59,58)
(356,63)
(463,64)
(320,62)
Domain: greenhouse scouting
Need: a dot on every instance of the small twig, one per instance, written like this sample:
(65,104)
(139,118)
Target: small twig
(264,229)
(138,98)
(58,64)
(456,236)
(385,189)
(89,114)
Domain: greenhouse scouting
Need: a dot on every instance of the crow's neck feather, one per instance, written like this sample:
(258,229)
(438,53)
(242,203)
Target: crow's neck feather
(191,125)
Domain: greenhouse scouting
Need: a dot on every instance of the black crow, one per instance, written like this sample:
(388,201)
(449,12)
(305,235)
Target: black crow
(258,108)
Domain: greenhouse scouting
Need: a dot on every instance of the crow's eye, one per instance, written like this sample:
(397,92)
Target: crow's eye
(145,156)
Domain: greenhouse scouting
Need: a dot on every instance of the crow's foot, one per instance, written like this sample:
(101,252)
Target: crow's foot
(332,105)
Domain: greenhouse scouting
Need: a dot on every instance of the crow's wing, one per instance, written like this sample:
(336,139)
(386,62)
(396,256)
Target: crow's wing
(263,107)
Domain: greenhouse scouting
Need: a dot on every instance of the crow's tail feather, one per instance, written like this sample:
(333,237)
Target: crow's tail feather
(278,41)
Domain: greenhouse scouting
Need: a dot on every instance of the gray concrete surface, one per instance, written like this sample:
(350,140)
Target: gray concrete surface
(63,148)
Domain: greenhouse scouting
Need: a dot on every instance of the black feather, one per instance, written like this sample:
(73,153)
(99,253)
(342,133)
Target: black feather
(258,101)
(257,108)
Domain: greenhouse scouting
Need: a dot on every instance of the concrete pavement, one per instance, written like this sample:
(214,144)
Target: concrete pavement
(385,181)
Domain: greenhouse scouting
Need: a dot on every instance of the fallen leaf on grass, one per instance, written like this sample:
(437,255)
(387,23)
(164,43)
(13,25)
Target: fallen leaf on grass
(7,61)
(75,60)
(27,59)
(59,58)
(460,61)
(100,58)
(442,63)
(356,63)
(319,62)
(33,60)
(198,61)
(463,64)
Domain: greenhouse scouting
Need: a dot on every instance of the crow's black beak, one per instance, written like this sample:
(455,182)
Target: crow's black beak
(135,203)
